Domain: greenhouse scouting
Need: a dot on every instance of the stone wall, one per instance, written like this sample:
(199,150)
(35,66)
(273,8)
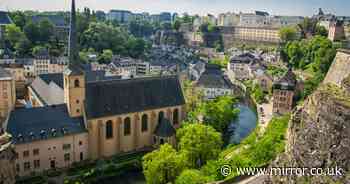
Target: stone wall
(319,131)
(340,68)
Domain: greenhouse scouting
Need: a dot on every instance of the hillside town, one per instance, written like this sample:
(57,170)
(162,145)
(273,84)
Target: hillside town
(88,96)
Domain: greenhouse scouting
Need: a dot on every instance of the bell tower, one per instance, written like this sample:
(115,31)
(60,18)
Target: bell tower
(73,76)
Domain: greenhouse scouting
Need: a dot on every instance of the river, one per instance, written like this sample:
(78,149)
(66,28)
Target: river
(241,127)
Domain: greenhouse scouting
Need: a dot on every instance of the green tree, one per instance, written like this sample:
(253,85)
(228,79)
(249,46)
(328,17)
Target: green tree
(219,112)
(37,49)
(23,46)
(200,143)
(18,18)
(17,39)
(136,47)
(258,94)
(32,32)
(106,56)
(46,30)
(288,34)
(321,31)
(162,166)
(13,34)
(192,177)
(176,25)
(101,36)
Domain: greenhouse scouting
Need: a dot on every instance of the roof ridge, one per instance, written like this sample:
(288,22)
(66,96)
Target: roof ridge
(133,79)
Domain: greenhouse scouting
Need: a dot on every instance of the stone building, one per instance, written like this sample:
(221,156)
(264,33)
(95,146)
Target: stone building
(7,159)
(213,83)
(250,34)
(241,67)
(97,118)
(47,138)
(283,93)
(265,81)
(336,31)
(7,95)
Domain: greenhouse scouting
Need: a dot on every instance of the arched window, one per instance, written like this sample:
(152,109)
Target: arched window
(127,126)
(109,129)
(176,116)
(160,116)
(144,121)
(76,83)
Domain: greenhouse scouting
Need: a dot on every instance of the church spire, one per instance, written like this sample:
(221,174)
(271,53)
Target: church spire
(72,45)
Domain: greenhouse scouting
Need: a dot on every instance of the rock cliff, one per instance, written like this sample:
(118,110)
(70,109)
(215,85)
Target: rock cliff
(319,131)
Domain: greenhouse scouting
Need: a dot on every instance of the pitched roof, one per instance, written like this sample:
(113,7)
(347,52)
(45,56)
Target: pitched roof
(5,18)
(213,77)
(288,81)
(164,129)
(27,125)
(49,87)
(244,58)
(115,97)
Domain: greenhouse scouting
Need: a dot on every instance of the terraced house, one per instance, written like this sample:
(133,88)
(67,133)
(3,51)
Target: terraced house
(93,118)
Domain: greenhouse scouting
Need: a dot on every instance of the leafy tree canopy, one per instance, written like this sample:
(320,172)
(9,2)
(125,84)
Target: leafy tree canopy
(200,143)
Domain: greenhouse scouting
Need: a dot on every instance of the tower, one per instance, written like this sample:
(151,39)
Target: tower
(74,77)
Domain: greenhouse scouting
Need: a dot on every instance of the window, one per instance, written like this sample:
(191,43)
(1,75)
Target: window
(18,168)
(76,83)
(36,152)
(78,111)
(127,126)
(26,166)
(109,129)
(160,116)
(81,156)
(36,164)
(67,157)
(144,126)
(66,146)
(176,116)
(52,164)
(80,143)
(77,101)
(25,154)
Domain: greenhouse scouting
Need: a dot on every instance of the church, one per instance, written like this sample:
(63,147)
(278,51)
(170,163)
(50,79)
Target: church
(94,118)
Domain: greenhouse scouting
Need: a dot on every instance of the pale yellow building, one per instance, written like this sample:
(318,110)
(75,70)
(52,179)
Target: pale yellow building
(96,119)
(232,35)
(47,138)
(7,94)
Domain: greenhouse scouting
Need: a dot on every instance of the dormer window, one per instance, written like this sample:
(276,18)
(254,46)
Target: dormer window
(76,83)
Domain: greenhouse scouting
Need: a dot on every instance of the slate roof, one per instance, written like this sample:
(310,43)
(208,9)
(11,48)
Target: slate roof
(164,129)
(27,125)
(213,77)
(49,87)
(57,78)
(5,18)
(114,97)
(246,58)
(288,81)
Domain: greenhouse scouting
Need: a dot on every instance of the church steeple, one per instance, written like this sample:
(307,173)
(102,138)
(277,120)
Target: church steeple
(74,66)
(72,45)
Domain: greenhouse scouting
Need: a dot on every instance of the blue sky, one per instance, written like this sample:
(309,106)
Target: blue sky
(276,7)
